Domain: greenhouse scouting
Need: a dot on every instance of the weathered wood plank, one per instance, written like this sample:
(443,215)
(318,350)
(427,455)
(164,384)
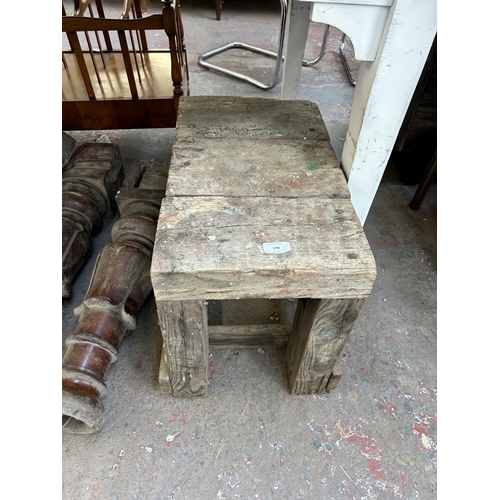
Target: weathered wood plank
(242,336)
(320,330)
(185,340)
(283,168)
(212,248)
(254,118)
(163,377)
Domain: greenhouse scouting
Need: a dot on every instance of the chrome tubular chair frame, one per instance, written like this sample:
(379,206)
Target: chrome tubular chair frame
(202,59)
(343,58)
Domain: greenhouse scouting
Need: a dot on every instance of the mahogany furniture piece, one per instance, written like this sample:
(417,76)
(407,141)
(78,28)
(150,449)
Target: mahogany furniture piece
(112,78)
(90,181)
(118,288)
(257,207)
(218,9)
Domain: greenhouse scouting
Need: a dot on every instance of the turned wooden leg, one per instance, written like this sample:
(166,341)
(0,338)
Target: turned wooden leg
(120,284)
(90,182)
(320,330)
(81,220)
(184,327)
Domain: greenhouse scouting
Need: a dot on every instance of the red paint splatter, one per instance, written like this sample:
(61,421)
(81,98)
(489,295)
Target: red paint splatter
(183,417)
(422,427)
(368,448)
(376,471)
(388,408)
(219,493)
(372,452)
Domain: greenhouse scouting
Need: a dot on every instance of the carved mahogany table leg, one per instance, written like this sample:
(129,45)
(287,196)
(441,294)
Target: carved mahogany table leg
(89,184)
(119,286)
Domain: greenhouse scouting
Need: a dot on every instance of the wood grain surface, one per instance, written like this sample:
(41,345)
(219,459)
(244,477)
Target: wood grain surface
(274,167)
(242,336)
(212,248)
(185,342)
(320,331)
(248,117)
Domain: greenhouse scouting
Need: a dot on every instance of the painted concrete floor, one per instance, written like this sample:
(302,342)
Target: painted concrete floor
(373,437)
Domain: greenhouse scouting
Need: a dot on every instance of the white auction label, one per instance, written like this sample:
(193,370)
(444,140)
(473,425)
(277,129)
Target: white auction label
(280,247)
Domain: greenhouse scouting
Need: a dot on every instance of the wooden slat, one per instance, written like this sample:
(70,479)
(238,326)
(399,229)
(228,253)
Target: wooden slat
(80,59)
(227,117)
(74,23)
(281,168)
(128,64)
(212,248)
(247,336)
(100,11)
(321,328)
(142,34)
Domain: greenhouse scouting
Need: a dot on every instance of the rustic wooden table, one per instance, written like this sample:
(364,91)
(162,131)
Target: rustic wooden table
(257,206)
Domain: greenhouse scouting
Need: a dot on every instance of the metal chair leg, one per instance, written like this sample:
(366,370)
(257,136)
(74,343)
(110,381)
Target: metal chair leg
(276,55)
(317,59)
(428,178)
(352,81)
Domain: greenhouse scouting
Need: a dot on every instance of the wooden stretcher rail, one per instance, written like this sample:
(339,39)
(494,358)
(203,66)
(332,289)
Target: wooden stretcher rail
(125,84)
(152,22)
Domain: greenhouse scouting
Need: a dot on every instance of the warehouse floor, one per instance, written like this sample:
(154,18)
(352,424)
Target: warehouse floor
(373,437)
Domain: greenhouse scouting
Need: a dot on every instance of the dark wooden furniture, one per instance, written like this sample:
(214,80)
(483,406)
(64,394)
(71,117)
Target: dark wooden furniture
(118,288)
(417,138)
(113,78)
(257,207)
(218,9)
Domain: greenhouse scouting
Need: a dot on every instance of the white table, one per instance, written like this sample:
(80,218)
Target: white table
(392,39)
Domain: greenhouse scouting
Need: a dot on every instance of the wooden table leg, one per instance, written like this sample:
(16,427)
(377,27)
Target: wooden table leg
(321,328)
(218,9)
(184,329)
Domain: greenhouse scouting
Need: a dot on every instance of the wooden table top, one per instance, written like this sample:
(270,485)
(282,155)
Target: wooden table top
(257,206)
